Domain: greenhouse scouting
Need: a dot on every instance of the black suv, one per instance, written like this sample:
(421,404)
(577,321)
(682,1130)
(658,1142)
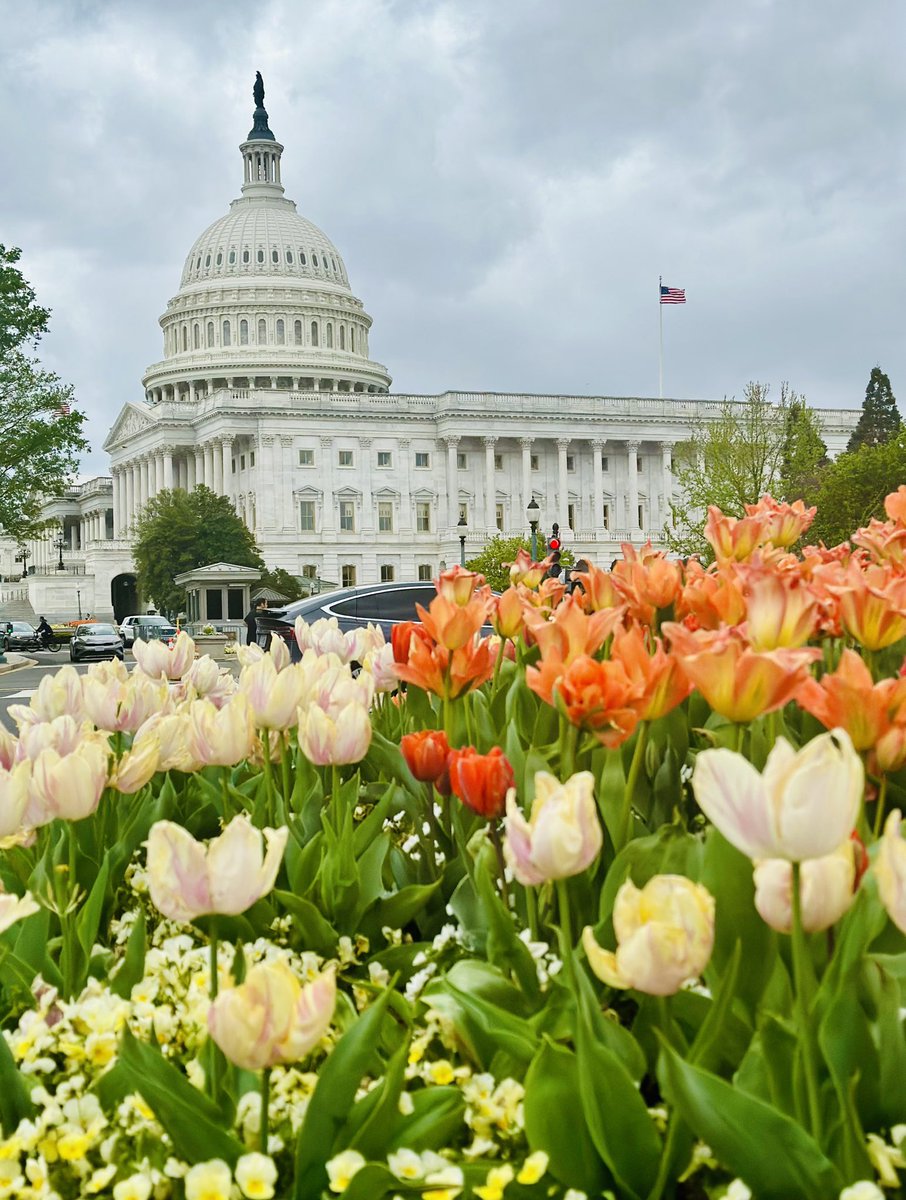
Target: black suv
(384,604)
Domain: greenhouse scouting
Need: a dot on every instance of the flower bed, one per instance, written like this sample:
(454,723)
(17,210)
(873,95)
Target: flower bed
(610,904)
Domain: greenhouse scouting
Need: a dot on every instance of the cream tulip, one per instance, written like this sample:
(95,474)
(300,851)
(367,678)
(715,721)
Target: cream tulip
(334,740)
(69,786)
(325,637)
(221,737)
(826,888)
(274,695)
(57,695)
(14,788)
(156,658)
(563,834)
(9,748)
(665,935)
(15,908)
(187,879)
(123,705)
(271,1018)
(63,734)
(890,871)
(171,730)
(136,767)
(803,805)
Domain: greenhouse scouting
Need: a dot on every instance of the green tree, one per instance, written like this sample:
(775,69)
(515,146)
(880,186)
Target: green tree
(853,488)
(493,562)
(42,432)
(880,418)
(752,447)
(177,531)
(281,581)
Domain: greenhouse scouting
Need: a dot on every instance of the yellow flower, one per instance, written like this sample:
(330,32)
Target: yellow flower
(494,1185)
(11,1178)
(451,1179)
(209,1181)
(256,1176)
(341,1169)
(136,1187)
(73,1145)
(441,1072)
(533,1168)
(99,1180)
(405,1164)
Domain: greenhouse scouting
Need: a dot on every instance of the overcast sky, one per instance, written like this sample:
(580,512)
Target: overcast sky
(505,179)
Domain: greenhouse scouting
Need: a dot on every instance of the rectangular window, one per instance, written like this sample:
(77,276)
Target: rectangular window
(605,463)
(423,517)
(234,466)
(535,462)
(388,573)
(462,461)
(463,512)
(344,458)
(606,516)
(306,458)
(214,604)
(347,575)
(252,459)
(424,572)
(571,515)
(385,516)
(235,607)
(309,571)
(499,517)
(570,462)
(241,462)
(639,464)
(384,458)
(641,516)
(307,516)
(347,516)
(422,458)
(498,462)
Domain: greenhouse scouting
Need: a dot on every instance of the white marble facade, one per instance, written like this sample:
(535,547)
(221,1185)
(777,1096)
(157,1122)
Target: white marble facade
(266,394)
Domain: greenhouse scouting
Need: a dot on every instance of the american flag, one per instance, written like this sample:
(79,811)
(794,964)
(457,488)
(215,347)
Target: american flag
(673,295)
(63,409)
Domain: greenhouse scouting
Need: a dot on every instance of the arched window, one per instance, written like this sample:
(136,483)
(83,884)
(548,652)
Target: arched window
(275,256)
(302,259)
(281,333)
(207,260)
(314,260)
(243,332)
(352,338)
(334,261)
(329,335)
(196,337)
(245,255)
(210,334)
(314,333)
(219,259)
(342,337)
(185,337)
(232,258)
(289,255)
(297,333)
(260,256)
(226,333)
(262,332)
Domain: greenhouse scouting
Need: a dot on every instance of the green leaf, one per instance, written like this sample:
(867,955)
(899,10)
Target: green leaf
(846,1043)
(328,1108)
(436,1120)
(397,910)
(616,1115)
(316,932)
(770,1152)
(89,918)
(505,948)
(15,1104)
(132,968)
(551,1122)
(193,1122)
(374,1182)
(669,851)
(376,1115)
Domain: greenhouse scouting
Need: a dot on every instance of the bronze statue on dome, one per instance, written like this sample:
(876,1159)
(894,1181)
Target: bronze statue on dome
(258,90)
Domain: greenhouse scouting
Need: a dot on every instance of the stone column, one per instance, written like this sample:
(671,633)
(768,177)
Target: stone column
(562,484)
(217,459)
(117,510)
(208,449)
(158,471)
(490,486)
(525,498)
(286,513)
(168,468)
(632,463)
(74,537)
(226,450)
(597,517)
(407,517)
(666,481)
(328,511)
(266,488)
(452,444)
(130,496)
(198,466)
(143,481)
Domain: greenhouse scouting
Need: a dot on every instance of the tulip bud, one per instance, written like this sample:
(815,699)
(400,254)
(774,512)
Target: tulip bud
(156,659)
(274,695)
(15,908)
(426,754)
(481,780)
(271,1018)
(136,767)
(13,798)
(563,834)
(827,889)
(665,934)
(221,737)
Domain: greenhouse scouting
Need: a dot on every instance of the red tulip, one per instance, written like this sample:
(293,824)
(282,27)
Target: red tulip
(481,780)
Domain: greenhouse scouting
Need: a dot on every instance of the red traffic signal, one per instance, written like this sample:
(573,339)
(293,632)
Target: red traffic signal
(553,544)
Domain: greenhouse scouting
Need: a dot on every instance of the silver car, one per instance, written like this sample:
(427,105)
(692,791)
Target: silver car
(95,641)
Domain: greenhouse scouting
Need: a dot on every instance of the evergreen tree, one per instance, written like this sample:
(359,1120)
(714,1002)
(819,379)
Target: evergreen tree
(804,454)
(880,419)
(177,531)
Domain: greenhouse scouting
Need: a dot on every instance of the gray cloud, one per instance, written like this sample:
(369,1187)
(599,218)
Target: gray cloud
(505,182)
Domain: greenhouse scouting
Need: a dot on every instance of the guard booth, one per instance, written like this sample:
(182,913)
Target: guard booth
(219,594)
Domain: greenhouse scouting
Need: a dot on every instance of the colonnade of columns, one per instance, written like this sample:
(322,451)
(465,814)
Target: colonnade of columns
(139,480)
(196,389)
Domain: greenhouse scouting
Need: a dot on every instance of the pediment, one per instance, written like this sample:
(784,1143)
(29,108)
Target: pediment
(135,418)
(424,494)
(386,493)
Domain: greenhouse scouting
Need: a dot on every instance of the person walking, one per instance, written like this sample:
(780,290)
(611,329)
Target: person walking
(251,623)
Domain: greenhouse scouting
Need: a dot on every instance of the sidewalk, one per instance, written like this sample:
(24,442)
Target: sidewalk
(14,661)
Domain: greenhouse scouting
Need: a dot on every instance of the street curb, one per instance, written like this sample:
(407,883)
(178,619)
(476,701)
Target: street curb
(6,668)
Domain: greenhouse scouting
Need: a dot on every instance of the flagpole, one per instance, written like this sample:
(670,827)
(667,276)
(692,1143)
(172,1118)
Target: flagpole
(660,315)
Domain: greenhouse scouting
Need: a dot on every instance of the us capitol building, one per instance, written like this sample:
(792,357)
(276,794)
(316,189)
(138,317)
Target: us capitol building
(267,394)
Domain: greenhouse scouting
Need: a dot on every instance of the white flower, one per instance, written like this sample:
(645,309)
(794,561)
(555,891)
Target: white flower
(256,1176)
(341,1169)
(136,1187)
(209,1181)
(738,1191)
(406,1164)
(863,1190)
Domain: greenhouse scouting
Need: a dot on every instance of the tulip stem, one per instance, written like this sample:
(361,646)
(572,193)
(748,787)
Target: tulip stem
(494,830)
(879,811)
(268,773)
(566,933)
(263,1130)
(531,911)
(213,968)
(569,736)
(625,826)
(800,950)
(497,665)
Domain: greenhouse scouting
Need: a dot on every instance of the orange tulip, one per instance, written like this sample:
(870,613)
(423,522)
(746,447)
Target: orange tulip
(737,681)
(895,505)
(711,597)
(571,631)
(647,580)
(598,696)
(447,673)
(664,681)
(525,570)
(783,524)
(426,753)
(599,589)
(849,699)
(481,781)
(451,624)
(507,614)
(458,586)
(733,537)
(884,540)
(780,609)
(872,605)
(402,637)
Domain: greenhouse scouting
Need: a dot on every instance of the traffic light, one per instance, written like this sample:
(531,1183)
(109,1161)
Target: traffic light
(553,546)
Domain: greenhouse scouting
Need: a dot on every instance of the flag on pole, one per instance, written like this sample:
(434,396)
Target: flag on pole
(671,295)
(63,409)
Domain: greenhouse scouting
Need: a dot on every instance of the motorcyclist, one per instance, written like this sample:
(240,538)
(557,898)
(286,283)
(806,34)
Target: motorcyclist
(45,633)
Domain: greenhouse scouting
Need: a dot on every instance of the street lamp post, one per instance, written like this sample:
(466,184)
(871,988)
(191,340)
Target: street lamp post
(533,512)
(463,527)
(60,543)
(79,602)
(23,556)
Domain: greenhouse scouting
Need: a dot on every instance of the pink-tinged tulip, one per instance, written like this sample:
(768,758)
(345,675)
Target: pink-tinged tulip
(325,637)
(123,705)
(733,537)
(781,610)
(187,879)
(563,834)
(525,570)
(209,682)
(63,734)
(14,785)
(136,767)
(339,739)
(9,749)
(849,698)
(457,585)
(251,653)
(224,736)
(872,604)
(273,695)
(895,505)
(157,660)
(804,805)
(665,935)
(271,1018)
(380,665)
(15,908)
(890,871)
(171,731)
(68,786)
(57,695)
(367,640)
(827,889)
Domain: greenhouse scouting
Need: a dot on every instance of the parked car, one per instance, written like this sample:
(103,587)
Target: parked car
(158,627)
(96,641)
(384,604)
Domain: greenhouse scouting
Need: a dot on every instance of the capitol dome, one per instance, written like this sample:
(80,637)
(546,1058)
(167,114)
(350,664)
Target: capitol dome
(264,299)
